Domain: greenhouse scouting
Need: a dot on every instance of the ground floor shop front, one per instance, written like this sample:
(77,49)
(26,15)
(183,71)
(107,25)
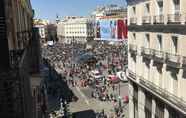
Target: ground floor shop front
(144,104)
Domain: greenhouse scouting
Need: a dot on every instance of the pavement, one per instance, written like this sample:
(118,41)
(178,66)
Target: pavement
(87,103)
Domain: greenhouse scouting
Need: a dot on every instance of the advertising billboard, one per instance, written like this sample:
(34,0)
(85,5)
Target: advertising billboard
(107,29)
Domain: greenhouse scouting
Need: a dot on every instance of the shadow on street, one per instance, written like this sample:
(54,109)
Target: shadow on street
(57,88)
(85,114)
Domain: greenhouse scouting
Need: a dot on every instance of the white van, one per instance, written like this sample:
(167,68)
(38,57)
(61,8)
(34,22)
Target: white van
(122,76)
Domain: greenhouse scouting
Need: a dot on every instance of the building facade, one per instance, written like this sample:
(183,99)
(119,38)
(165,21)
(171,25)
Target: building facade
(51,30)
(76,29)
(157,58)
(19,60)
(113,11)
(42,26)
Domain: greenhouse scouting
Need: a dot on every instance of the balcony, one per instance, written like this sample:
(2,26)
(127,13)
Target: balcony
(2,27)
(146,19)
(132,74)
(133,20)
(15,57)
(184,61)
(158,55)
(174,18)
(133,48)
(164,94)
(159,19)
(146,51)
(173,59)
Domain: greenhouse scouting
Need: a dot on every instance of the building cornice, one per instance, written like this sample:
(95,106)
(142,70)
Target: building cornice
(133,2)
(176,29)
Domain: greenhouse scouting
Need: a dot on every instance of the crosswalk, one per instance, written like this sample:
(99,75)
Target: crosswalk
(83,96)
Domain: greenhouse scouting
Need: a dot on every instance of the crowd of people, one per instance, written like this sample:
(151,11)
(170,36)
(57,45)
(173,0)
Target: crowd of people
(106,59)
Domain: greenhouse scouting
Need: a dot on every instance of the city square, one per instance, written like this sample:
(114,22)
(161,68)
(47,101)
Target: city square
(93,59)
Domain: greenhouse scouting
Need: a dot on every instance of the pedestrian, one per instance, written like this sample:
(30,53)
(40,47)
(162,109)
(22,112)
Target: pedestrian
(72,83)
(103,112)
(113,87)
(111,96)
(92,94)
(107,97)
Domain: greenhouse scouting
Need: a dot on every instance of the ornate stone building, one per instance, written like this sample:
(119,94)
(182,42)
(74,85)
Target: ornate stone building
(157,58)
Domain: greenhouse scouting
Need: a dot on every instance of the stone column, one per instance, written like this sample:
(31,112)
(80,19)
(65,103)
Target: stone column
(153,108)
(141,103)
(139,66)
(180,74)
(164,76)
(166,113)
(151,70)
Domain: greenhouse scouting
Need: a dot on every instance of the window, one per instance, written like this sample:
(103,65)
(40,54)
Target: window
(160,7)
(147,41)
(175,44)
(134,36)
(176,6)
(147,8)
(134,10)
(173,113)
(159,38)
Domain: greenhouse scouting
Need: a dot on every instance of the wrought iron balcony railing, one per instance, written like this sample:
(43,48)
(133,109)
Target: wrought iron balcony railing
(2,27)
(173,58)
(15,57)
(146,51)
(159,19)
(131,74)
(133,20)
(164,55)
(180,103)
(174,18)
(146,19)
(158,53)
(159,0)
(184,60)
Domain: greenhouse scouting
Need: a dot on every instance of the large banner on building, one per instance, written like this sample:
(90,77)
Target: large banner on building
(107,29)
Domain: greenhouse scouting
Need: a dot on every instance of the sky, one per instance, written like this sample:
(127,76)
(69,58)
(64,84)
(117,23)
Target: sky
(48,9)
